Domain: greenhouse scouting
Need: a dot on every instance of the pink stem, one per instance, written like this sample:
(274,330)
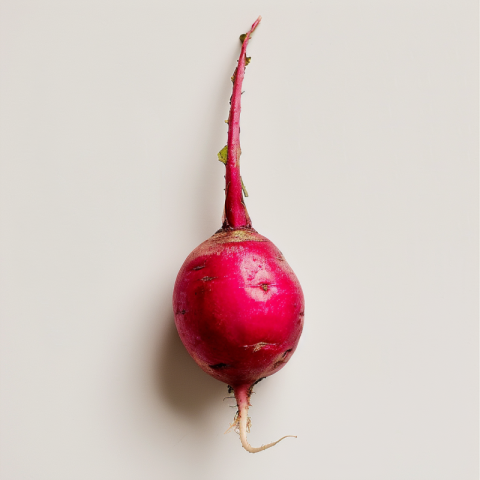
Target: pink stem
(236,215)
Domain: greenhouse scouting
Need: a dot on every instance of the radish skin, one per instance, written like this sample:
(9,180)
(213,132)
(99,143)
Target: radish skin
(239,308)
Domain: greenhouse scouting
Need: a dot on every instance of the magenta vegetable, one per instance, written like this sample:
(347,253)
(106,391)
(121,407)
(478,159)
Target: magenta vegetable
(238,305)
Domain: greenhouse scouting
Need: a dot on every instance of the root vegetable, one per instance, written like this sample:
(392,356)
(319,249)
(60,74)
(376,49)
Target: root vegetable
(238,306)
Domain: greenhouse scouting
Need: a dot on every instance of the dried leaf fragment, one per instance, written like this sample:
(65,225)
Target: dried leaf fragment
(243,188)
(223,154)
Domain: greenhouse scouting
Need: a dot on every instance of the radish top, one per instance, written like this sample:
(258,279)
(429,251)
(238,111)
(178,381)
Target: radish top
(236,215)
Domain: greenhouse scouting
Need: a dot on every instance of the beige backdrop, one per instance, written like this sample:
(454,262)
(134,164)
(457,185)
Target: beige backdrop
(360,155)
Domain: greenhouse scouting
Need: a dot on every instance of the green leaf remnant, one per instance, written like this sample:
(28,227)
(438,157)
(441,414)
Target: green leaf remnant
(222,155)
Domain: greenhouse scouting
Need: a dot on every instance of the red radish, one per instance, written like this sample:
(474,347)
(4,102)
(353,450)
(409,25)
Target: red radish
(238,305)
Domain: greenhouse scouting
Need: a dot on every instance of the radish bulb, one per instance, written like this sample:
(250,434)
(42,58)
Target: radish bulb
(238,305)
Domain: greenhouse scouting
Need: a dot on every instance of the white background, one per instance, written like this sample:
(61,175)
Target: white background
(359,139)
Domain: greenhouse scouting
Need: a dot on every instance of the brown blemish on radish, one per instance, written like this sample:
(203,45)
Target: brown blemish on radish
(223,237)
(258,346)
(277,363)
(282,359)
(217,366)
(238,236)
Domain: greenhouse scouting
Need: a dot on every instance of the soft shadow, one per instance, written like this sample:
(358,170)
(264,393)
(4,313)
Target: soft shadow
(179,381)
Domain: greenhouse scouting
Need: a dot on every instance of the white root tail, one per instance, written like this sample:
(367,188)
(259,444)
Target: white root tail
(243,420)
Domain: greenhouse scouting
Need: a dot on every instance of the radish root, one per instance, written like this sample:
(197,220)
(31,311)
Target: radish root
(242,422)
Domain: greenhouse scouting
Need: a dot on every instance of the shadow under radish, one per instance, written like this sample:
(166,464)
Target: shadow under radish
(179,380)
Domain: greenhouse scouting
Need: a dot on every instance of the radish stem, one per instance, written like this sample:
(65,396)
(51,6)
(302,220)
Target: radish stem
(236,215)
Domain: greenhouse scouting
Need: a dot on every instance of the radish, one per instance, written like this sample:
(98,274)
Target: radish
(238,305)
